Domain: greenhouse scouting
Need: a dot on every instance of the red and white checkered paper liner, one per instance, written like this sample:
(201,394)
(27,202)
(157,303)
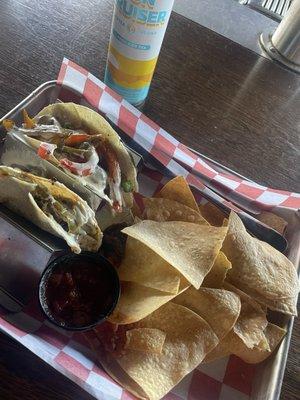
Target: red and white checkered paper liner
(173,155)
(226,379)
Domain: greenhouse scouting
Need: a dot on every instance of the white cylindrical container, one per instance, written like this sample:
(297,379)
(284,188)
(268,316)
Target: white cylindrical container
(286,38)
(138,29)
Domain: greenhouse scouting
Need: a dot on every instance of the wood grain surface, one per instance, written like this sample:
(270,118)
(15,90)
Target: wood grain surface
(212,94)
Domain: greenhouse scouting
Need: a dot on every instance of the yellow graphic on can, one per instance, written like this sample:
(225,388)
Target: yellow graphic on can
(128,73)
(137,33)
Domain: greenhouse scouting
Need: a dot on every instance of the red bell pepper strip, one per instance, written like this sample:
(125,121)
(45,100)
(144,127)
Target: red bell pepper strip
(77,138)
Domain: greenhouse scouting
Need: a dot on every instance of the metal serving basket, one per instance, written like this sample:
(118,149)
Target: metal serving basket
(26,250)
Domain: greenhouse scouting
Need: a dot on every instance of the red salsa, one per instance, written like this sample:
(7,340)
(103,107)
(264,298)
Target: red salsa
(78,291)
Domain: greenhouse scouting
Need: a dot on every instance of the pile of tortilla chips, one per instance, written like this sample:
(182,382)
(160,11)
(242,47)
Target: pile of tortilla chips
(191,292)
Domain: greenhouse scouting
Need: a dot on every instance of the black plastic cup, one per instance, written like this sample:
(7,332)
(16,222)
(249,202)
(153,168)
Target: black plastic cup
(90,260)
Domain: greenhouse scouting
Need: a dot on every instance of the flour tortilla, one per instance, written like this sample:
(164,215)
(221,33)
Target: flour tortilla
(17,192)
(89,121)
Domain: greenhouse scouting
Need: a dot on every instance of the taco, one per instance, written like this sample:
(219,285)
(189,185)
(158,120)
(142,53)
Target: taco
(52,207)
(82,143)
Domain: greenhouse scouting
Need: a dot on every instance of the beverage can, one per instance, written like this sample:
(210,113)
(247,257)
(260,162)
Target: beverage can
(138,29)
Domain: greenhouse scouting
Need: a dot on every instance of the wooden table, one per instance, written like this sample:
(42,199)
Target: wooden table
(212,94)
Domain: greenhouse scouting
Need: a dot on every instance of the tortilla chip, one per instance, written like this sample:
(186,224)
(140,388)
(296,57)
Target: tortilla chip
(232,344)
(285,306)
(188,339)
(160,209)
(223,348)
(138,301)
(216,276)
(177,189)
(258,268)
(277,305)
(252,320)
(212,214)
(146,340)
(111,366)
(273,220)
(190,248)
(220,308)
(250,325)
(142,265)
(245,297)
(274,335)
